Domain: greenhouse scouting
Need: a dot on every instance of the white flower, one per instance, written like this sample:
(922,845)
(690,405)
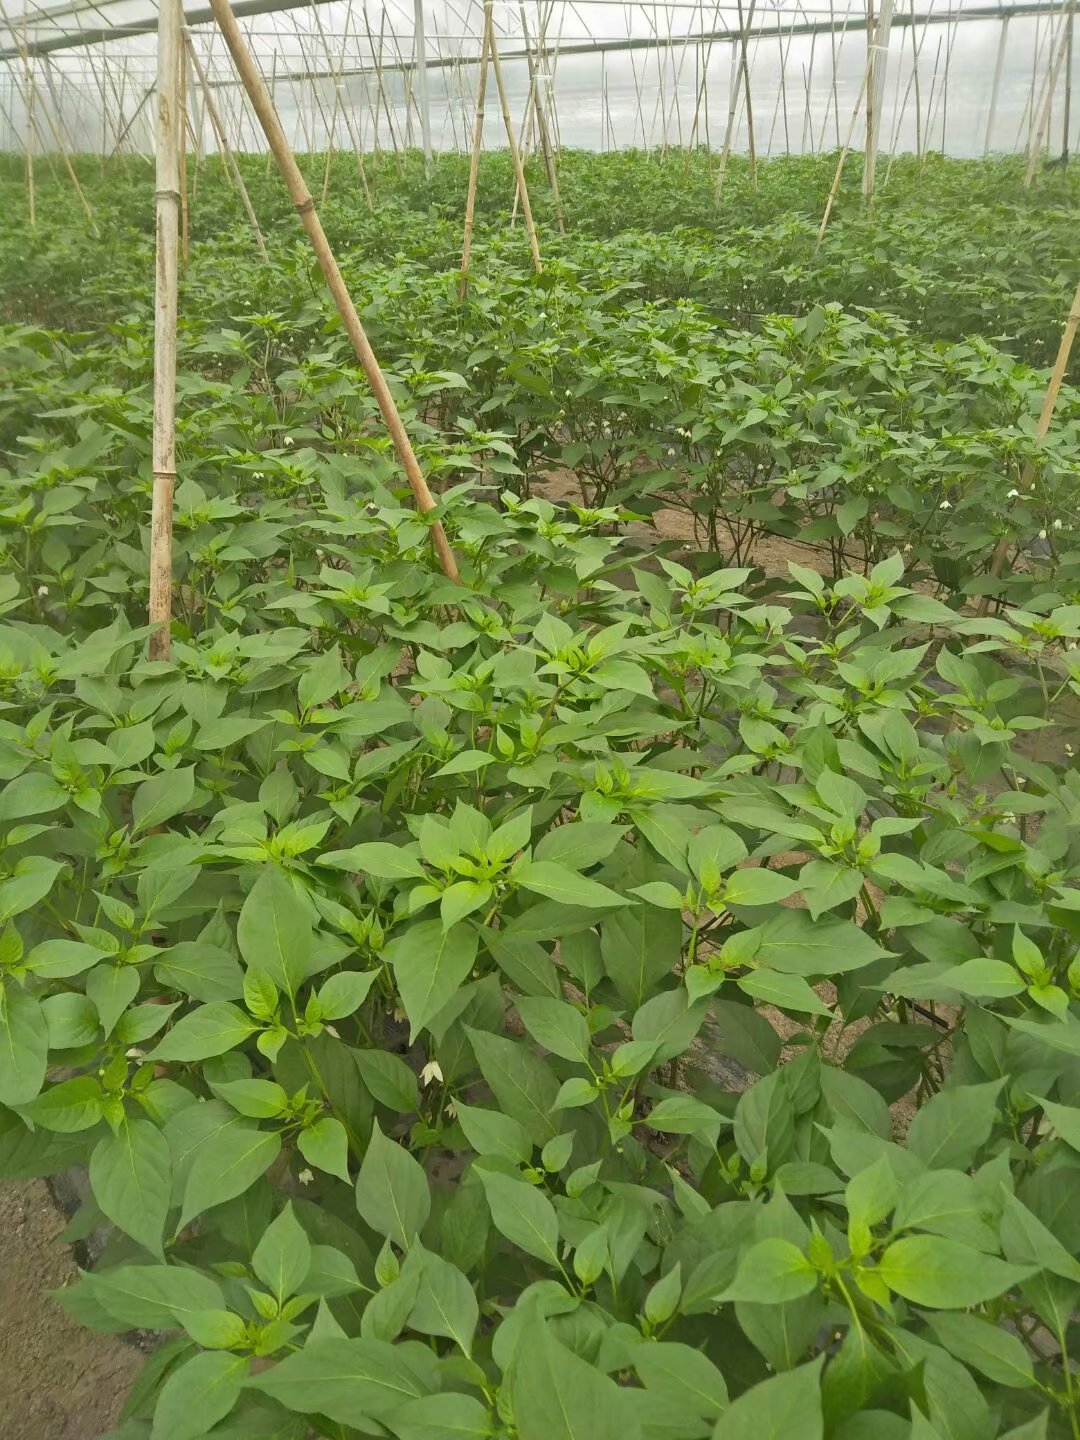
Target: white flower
(1042,534)
(331,1031)
(134,1053)
(1012,494)
(567,393)
(1057,524)
(1021,781)
(431,1072)
(42,591)
(288,439)
(945,505)
(451,1110)
(1069,751)
(305,1177)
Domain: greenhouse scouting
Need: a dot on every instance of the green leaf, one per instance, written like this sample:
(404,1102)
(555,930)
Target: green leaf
(71,1106)
(523,1214)
(489,1132)
(226,730)
(392,1191)
(197,1395)
(943,1274)
(521,1082)
(755,885)
(389,1080)
(445,1303)
(343,993)
(557,882)
(683,1115)
(556,1026)
(131,1177)
(430,965)
(200,970)
(274,931)
(282,1257)
(993,1351)
(60,959)
(446,1416)
(24,1047)
(257,1099)
(349,1381)
(27,887)
(326,1146)
(682,1376)
(786,992)
(379,859)
(155,1297)
(558,1396)
(772,1272)
(225,1165)
(161,797)
(794,943)
(1066,1121)
(785,1407)
(578,845)
(640,947)
(209,1030)
(951,1128)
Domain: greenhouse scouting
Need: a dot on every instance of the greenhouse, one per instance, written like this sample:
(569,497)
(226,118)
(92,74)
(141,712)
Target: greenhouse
(480,481)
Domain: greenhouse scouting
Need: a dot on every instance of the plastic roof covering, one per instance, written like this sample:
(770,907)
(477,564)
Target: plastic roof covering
(618,73)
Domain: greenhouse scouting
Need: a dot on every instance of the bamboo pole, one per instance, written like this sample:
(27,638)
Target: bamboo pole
(878,41)
(515,153)
(474,167)
(167,199)
(738,59)
(346,110)
(995,89)
(28,107)
(185,217)
(1067,102)
(420,41)
(228,158)
(542,125)
(843,157)
(1042,428)
(305,207)
(1042,127)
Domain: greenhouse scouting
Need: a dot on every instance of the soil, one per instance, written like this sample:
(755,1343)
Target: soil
(58,1381)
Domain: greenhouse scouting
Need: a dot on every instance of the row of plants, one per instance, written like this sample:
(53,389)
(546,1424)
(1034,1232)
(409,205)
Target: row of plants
(841,429)
(954,247)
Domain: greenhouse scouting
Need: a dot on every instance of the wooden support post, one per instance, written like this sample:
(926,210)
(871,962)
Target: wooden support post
(167,201)
(228,158)
(996,87)
(515,153)
(1046,414)
(185,218)
(843,157)
(305,207)
(541,124)
(474,166)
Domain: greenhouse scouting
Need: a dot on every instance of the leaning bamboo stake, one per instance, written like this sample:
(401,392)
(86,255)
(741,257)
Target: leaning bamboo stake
(226,149)
(843,158)
(28,108)
(542,125)
(515,153)
(474,168)
(305,208)
(1043,126)
(1046,414)
(167,199)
